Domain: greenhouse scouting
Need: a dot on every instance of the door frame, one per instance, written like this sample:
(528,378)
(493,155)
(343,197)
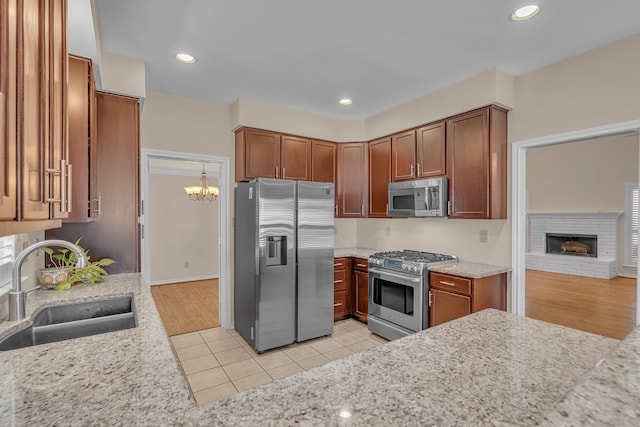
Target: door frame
(224,220)
(519,203)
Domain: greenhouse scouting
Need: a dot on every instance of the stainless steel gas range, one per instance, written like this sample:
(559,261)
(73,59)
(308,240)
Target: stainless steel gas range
(399,291)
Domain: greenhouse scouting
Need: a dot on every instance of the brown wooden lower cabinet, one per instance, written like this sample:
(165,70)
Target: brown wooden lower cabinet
(341,288)
(361,289)
(451,297)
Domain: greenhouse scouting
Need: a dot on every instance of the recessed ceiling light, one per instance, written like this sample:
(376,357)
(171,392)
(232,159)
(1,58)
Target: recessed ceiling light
(525,12)
(345,101)
(186,58)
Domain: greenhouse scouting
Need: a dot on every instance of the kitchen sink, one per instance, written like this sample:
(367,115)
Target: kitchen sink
(74,320)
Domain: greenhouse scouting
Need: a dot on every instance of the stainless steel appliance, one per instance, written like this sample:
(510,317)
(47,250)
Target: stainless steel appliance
(399,291)
(421,197)
(283,261)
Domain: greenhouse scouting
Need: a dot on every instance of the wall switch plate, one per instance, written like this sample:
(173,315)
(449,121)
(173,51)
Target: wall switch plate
(186,264)
(484,236)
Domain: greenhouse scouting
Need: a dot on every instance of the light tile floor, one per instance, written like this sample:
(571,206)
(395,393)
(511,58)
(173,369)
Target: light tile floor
(218,362)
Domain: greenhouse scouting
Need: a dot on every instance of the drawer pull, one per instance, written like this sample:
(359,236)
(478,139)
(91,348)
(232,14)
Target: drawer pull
(337,265)
(447,283)
(337,281)
(338,304)
(361,265)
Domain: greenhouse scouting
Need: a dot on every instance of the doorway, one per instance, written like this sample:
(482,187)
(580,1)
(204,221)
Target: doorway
(178,165)
(519,200)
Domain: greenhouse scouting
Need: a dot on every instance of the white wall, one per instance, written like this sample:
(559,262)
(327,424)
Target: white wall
(181,231)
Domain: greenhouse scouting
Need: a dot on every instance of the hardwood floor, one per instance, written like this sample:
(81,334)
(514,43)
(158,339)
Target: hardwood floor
(187,306)
(600,306)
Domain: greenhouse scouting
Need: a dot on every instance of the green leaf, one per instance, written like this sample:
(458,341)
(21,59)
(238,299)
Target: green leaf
(48,251)
(63,286)
(105,262)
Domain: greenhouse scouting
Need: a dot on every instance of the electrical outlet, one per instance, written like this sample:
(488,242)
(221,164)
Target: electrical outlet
(387,231)
(186,264)
(484,236)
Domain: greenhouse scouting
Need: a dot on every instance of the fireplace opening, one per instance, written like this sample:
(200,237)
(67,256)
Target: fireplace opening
(572,244)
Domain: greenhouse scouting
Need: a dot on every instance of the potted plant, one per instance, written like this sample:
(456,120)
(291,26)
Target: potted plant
(62,273)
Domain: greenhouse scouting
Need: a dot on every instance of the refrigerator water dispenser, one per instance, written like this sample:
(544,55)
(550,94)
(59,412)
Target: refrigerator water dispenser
(276,250)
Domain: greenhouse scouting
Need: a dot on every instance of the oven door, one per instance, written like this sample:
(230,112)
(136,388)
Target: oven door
(396,298)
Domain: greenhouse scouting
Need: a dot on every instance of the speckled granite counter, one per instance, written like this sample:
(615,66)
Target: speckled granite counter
(487,368)
(354,252)
(608,395)
(471,270)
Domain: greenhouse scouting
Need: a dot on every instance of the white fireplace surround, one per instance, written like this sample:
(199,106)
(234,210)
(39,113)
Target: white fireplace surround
(602,224)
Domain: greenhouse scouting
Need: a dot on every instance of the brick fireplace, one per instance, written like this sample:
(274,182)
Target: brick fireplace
(580,243)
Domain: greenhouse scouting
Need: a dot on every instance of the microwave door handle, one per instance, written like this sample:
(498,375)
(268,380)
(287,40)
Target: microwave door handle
(427,198)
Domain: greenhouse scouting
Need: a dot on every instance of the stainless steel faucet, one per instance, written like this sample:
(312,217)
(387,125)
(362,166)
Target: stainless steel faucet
(18,297)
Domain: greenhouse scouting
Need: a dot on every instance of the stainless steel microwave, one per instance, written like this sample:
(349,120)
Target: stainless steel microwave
(420,197)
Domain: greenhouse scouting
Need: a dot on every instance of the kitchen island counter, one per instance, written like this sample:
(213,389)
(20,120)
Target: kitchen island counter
(487,368)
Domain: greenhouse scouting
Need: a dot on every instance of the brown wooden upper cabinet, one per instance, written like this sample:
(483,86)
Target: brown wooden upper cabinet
(323,161)
(477,159)
(418,153)
(33,88)
(264,154)
(83,144)
(379,177)
(403,155)
(430,150)
(352,180)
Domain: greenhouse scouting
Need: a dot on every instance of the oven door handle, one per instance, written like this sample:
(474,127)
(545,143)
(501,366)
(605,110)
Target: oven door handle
(398,276)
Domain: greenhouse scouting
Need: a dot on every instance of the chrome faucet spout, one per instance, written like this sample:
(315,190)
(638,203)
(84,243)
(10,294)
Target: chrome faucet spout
(18,297)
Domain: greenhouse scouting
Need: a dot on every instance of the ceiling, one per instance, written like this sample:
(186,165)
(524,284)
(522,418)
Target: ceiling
(307,54)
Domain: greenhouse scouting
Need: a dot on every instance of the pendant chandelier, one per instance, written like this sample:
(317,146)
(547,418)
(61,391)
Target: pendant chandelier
(203,191)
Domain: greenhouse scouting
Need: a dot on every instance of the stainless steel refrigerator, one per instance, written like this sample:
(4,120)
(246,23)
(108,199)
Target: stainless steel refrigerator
(283,261)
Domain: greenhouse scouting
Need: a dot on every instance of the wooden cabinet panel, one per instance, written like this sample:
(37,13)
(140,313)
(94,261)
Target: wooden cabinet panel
(452,283)
(295,156)
(361,300)
(476,152)
(340,306)
(360,289)
(379,177)
(342,288)
(452,296)
(430,150)
(352,180)
(58,151)
(403,149)
(33,109)
(8,190)
(446,306)
(257,154)
(82,146)
(114,233)
(323,161)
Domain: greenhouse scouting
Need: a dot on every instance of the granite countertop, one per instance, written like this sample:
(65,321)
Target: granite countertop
(488,368)
(471,270)
(354,252)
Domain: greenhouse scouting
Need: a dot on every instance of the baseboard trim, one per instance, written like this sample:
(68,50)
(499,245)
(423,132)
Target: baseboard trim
(629,275)
(183,279)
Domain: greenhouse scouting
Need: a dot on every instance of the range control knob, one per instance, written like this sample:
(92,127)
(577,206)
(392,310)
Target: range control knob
(415,268)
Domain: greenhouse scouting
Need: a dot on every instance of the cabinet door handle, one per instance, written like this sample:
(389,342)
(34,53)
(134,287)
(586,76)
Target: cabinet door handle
(447,283)
(338,304)
(430,298)
(63,173)
(276,171)
(362,209)
(68,188)
(99,210)
(337,281)
(283,175)
(418,174)
(411,169)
